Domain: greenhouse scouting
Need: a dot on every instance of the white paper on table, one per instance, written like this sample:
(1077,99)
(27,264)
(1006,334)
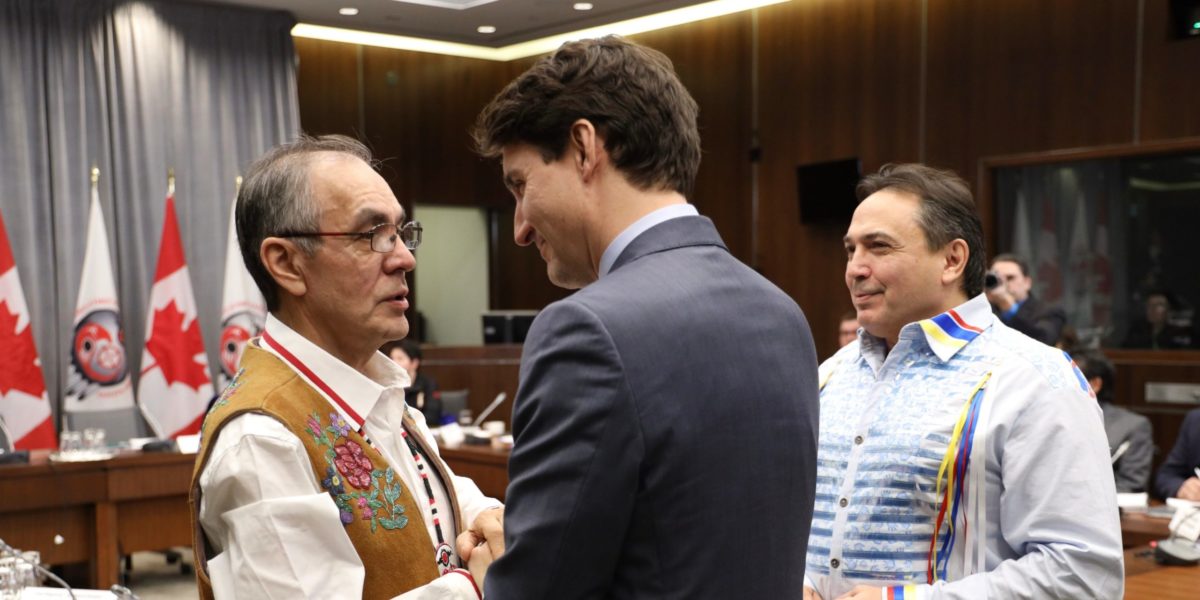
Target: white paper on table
(1186,524)
(1129,500)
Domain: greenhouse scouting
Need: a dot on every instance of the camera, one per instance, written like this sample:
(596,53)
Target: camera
(991,281)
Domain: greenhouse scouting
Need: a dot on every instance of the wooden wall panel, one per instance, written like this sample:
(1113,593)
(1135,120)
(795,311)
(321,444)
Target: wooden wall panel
(712,59)
(327,78)
(519,280)
(1170,86)
(837,80)
(483,370)
(1136,368)
(1025,75)
(418,110)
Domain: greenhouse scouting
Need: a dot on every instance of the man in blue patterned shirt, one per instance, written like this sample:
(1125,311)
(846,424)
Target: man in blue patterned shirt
(958,458)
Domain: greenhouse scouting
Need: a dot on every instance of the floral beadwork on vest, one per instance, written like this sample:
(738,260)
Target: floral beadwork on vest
(352,479)
(229,390)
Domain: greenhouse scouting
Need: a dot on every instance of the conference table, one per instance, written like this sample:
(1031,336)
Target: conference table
(134,502)
(102,510)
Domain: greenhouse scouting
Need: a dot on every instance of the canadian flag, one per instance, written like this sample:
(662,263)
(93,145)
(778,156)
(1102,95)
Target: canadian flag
(1079,303)
(24,405)
(1048,276)
(1102,270)
(243,309)
(175,386)
(98,377)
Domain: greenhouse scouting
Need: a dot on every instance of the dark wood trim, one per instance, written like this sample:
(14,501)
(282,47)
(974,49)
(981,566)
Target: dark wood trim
(1187,358)
(1078,154)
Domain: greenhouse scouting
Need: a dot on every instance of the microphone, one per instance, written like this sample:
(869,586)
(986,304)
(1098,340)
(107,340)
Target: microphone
(487,411)
(4,547)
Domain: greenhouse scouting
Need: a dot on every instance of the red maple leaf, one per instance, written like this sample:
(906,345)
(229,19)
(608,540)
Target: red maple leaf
(18,361)
(175,348)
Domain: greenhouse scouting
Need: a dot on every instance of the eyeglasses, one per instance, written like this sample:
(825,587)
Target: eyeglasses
(383,236)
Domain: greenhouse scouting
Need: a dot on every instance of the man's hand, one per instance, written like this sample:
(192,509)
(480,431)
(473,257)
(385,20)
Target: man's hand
(1190,490)
(488,527)
(863,592)
(1000,298)
(811,594)
(481,559)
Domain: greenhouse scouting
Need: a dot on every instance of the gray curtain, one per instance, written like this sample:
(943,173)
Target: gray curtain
(134,88)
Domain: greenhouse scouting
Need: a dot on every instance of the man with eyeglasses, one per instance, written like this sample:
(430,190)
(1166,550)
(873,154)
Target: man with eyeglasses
(314,478)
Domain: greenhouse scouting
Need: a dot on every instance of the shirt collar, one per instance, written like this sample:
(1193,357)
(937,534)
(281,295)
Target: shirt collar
(352,393)
(666,213)
(952,330)
(945,334)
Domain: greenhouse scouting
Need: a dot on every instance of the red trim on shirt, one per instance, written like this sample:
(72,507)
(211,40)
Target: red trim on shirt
(467,574)
(317,381)
(962,323)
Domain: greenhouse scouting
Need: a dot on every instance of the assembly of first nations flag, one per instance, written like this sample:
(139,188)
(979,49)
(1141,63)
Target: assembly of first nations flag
(24,405)
(98,375)
(175,386)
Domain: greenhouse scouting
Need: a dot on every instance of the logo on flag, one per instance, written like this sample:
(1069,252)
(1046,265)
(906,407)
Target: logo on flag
(243,309)
(175,386)
(99,375)
(24,405)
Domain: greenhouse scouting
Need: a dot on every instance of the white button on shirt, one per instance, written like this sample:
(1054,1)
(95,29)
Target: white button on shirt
(273,529)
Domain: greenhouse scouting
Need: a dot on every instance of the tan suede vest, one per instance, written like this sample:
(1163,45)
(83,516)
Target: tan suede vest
(381,515)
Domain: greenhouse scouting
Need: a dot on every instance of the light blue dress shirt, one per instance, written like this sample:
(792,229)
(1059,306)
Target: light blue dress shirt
(1040,520)
(639,227)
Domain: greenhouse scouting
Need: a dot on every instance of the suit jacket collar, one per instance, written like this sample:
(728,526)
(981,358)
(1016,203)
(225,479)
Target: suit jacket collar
(670,235)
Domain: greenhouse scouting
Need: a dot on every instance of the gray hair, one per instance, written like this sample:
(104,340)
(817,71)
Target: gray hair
(276,197)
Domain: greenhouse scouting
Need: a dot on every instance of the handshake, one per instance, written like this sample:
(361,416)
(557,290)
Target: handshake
(482,543)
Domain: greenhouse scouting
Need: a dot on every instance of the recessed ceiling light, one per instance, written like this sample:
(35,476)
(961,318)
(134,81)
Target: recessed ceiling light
(348,11)
(583,6)
(485,29)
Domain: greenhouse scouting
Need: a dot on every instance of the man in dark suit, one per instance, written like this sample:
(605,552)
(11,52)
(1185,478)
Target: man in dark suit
(1177,477)
(1130,435)
(1016,305)
(666,418)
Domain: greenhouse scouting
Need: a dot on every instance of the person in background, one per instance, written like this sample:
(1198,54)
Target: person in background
(423,393)
(1155,331)
(958,458)
(314,478)
(1130,435)
(1177,477)
(848,328)
(1013,301)
(646,464)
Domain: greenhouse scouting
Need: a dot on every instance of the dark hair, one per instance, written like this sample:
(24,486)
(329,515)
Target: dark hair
(1016,259)
(849,315)
(407,346)
(947,212)
(629,92)
(1093,363)
(276,196)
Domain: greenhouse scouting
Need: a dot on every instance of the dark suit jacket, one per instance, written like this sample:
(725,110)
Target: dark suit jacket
(423,395)
(1038,320)
(1132,435)
(666,433)
(1184,457)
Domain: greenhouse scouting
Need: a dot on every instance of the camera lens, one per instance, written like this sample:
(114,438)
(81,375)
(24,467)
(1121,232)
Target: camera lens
(991,280)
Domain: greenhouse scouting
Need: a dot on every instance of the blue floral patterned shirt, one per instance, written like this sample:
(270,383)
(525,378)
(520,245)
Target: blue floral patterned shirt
(1044,493)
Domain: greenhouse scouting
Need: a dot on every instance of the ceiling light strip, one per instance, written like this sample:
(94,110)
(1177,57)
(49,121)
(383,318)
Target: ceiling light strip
(671,18)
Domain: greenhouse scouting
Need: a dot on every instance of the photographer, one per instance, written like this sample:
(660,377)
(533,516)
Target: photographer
(1012,301)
